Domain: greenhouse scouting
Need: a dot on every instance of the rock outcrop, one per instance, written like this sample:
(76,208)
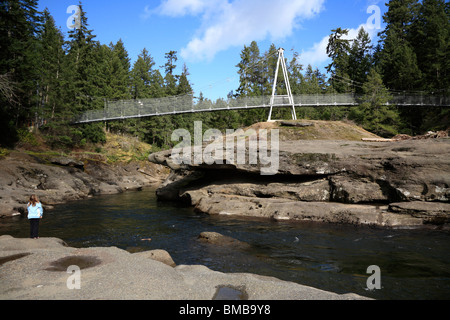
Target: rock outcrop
(56,180)
(218,239)
(38,270)
(401,183)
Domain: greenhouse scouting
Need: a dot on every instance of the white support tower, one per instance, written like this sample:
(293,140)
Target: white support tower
(282,100)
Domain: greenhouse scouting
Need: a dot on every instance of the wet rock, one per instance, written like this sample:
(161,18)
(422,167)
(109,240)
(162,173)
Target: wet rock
(221,240)
(82,262)
(326,212)
(430,212)
(230,293)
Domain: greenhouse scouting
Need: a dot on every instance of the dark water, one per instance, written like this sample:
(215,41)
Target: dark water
(414,264)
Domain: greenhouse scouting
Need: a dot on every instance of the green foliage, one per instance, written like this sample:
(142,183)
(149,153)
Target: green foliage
(45,81)
(92,132)
(413,56)
(373,113)
(27,137)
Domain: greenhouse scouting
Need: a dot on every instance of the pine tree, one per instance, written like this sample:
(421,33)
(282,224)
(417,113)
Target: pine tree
(81,67)
(170,79)
(20,24)
(251,83)
(373,112)
(82,79)
(399,64)
(296,78)
(141,76)
(184,86)
(120,72)
(157,87)
(360,59)
(399,18)
(269,64)
(432,43)
(398,60)
(249,71)
(51,91)
(338,50)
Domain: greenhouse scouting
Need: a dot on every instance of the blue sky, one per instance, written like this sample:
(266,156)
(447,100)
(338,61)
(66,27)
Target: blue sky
(210,34)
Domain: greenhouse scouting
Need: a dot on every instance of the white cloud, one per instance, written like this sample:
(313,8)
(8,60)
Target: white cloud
(317,55)
(227,24)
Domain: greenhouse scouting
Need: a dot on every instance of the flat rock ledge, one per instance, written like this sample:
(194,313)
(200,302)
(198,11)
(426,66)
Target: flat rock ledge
(393,184)
(37,270)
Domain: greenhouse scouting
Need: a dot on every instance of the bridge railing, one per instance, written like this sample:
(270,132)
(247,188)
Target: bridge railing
(124,109)
(420,100)
(325,99)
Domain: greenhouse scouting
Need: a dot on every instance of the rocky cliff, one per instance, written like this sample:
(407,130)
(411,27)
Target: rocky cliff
(391,183)
(57,179)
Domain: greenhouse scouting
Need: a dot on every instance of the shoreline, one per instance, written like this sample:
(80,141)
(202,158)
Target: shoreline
(58,180)
(37,269)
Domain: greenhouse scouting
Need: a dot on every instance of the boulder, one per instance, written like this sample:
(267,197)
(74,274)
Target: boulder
(158,255)
(221,240)
(346,189)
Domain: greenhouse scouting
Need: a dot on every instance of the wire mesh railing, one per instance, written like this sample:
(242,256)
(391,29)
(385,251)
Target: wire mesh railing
(126,109)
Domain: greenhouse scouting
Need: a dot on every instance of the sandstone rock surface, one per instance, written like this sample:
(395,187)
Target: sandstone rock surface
(62,179)
(395,183)
(37,270)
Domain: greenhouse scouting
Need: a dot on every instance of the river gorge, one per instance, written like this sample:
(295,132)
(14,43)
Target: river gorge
(335,208)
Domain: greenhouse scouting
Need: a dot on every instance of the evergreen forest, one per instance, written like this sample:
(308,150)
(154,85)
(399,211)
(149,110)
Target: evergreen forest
(48,78)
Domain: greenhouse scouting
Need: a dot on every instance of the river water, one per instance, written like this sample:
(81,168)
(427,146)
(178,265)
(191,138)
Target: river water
(414,264)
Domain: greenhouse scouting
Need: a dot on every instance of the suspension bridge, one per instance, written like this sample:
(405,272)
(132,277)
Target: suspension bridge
(141,108)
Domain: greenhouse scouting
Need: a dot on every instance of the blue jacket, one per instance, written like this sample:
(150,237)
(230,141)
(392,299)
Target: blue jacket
(35,212)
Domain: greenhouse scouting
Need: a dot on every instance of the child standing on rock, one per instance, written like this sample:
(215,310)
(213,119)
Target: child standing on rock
(35,213)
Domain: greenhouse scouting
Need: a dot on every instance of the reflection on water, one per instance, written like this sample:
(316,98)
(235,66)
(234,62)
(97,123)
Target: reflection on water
(414,263)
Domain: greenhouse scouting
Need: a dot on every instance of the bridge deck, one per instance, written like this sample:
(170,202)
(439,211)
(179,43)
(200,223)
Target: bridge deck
(128,109)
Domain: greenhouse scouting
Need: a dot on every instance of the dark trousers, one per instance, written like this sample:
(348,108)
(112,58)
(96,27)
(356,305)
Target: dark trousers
(34,228)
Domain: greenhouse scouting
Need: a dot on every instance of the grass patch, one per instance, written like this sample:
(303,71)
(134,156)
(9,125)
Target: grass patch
(4,152)
(325,130)
(124,148)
